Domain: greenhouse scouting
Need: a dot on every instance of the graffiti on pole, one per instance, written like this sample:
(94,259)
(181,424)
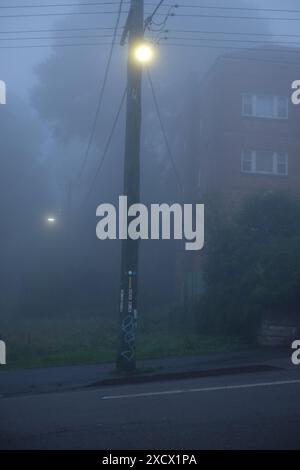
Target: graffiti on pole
(128,325)
(2,353)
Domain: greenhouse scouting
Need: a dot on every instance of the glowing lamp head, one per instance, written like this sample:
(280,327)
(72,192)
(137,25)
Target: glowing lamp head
(143,53)
(51,220)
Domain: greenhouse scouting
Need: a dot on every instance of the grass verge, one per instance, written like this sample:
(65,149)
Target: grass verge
(41,342)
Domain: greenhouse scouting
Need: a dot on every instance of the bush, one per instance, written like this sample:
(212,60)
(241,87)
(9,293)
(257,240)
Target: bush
(252,266)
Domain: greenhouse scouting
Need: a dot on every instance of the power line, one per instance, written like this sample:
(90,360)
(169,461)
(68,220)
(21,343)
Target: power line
(169,150)
(233,33)
(149,19)
(57,45)
(70,13)
(168,5)
(107,145)
(76,36)
(165,44)
(161,14)
(239,41)
(271,43)
(215,7)
(54,5)
(100,100)
(183,38)
(18,31)
(167,31)
(265,18)
(210,46)
(160,26)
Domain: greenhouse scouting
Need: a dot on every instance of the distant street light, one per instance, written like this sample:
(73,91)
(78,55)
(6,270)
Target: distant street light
(143,53)
(51,220)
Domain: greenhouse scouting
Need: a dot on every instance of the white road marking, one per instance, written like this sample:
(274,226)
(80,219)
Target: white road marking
(205,389)
(145,394)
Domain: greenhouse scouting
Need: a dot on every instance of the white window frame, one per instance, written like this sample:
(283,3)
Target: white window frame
(275,156)
(254,99)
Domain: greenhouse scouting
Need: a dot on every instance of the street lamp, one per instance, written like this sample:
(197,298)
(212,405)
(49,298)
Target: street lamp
(143,53)
(51,220)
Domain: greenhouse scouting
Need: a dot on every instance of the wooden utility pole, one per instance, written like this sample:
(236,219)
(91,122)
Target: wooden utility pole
(134,29)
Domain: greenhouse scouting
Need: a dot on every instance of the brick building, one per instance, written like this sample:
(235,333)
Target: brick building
(240,132)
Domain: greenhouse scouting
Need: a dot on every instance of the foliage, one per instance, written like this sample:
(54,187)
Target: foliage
(252,265)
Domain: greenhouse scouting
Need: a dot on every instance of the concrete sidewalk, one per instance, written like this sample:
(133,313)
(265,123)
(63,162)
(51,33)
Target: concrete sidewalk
(72,377)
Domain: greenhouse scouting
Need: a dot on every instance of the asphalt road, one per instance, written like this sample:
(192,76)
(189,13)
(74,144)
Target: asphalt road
(249,411)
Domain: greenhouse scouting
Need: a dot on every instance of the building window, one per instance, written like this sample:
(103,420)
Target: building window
(248,109)
(282,107)
(247,162)
(282,163)
(264,106)
(264,162)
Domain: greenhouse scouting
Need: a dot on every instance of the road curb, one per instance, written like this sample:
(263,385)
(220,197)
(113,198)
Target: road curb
(137,378)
